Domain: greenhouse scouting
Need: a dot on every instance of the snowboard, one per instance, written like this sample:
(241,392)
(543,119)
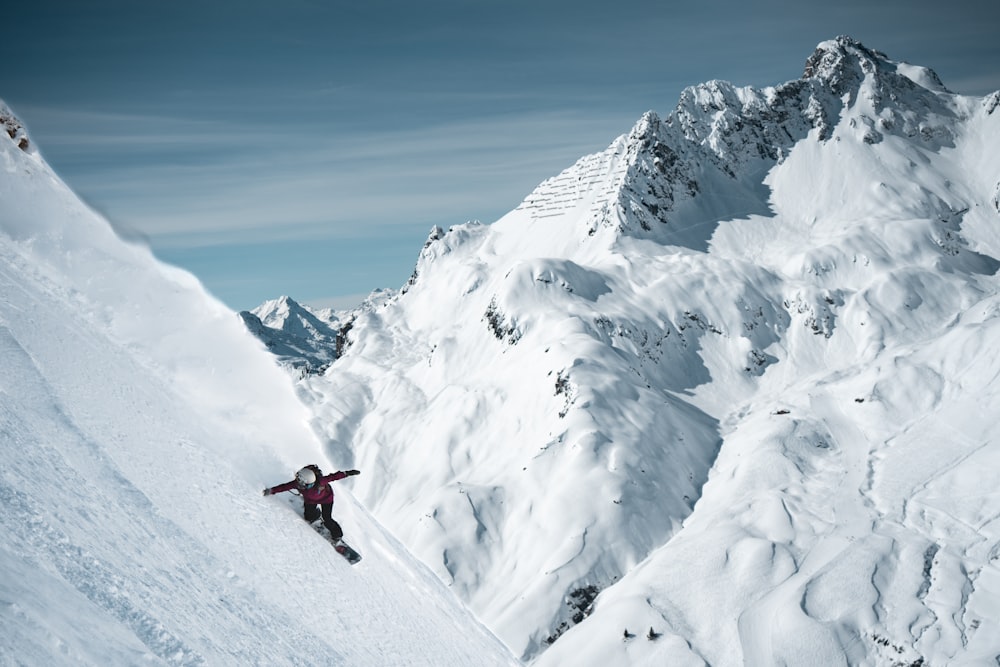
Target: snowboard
(349,553)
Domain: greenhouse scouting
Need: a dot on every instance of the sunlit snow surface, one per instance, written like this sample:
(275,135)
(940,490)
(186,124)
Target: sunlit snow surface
(139,422)
(737,372)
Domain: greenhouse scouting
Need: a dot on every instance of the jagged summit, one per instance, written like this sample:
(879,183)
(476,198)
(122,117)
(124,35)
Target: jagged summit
(842,63)
(670,178)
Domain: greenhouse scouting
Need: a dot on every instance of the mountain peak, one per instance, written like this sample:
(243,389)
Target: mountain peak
(842,63)
(298,336)
(647,125)
(279,308)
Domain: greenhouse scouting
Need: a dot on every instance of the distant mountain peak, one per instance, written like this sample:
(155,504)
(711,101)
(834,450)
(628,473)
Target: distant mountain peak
(278,309)
(298,336)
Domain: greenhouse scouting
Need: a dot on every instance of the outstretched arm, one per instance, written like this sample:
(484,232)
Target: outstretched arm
(339,475)
(281,487)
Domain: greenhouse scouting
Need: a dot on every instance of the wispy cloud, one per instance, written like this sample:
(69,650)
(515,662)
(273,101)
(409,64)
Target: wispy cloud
(214,183)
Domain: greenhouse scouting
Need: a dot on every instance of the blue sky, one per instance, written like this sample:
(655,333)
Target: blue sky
(307,147)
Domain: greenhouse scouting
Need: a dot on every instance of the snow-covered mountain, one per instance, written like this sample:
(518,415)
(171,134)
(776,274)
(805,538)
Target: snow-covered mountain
(723,393)
(305,339)
(300,338)
(139,422)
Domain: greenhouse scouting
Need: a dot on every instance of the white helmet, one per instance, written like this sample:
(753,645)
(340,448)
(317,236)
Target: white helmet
(306,476)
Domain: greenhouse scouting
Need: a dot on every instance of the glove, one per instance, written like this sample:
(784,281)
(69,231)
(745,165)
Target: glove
(351,473)
(267,492)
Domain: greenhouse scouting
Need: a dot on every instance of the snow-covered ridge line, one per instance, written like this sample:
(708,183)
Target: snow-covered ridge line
(675,376)
(651,175)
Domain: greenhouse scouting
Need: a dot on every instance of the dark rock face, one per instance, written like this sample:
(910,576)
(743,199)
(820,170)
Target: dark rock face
(15,130)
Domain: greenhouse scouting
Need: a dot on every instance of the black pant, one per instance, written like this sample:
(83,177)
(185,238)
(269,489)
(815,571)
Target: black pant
(312,512)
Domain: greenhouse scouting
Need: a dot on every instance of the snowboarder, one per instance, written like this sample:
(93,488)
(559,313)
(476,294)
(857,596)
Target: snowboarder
(314,487)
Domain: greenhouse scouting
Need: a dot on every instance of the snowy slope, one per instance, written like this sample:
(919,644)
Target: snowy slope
(734,373)
(138,424)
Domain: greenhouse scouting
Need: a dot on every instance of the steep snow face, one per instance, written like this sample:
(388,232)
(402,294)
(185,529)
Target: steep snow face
(709,374)
(138,423)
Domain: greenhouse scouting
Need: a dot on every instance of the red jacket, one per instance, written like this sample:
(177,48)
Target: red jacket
(320,492)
